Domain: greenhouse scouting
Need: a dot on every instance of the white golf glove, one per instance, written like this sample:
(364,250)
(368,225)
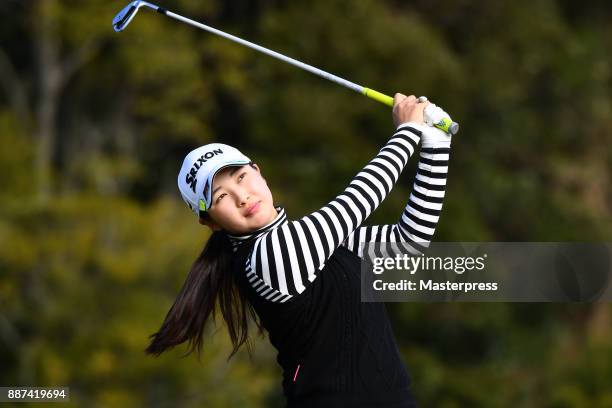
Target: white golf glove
(433,136)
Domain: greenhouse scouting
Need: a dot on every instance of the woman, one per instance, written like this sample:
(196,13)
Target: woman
(300,280)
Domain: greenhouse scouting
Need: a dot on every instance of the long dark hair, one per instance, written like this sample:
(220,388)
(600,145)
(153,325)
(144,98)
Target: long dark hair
(210,285)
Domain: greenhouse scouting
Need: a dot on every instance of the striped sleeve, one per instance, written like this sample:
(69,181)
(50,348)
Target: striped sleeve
(287,259)
(415,228)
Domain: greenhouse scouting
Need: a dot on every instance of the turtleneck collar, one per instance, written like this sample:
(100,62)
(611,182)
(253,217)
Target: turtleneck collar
(280,219)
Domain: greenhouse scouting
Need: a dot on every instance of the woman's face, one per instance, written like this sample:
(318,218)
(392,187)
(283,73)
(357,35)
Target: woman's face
(241,200)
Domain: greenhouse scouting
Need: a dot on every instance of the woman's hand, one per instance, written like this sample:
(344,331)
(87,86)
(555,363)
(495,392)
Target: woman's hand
(407,109)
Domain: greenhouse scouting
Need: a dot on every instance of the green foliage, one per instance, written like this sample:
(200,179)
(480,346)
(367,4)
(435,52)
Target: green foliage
(89,273)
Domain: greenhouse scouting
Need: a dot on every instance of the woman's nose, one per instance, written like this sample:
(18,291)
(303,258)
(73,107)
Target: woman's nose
(243,197)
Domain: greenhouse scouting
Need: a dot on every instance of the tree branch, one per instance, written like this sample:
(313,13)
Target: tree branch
(79,57)
(10,81)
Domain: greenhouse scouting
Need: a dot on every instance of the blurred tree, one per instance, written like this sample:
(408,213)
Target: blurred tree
(95,242)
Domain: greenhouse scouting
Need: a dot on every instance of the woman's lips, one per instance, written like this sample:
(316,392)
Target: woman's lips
(253,209)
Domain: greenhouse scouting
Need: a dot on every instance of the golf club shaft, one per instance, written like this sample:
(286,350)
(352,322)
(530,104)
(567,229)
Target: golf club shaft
(357,88)
(446,125)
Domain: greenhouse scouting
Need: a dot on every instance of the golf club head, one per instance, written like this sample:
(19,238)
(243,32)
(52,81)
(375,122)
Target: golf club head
(123,18)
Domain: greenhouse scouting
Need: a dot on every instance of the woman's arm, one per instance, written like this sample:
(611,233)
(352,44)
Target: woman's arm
(419,219)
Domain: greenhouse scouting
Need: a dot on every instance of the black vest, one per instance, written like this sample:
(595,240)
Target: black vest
(335,351)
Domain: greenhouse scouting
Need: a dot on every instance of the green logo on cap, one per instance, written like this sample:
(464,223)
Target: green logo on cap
(202,205)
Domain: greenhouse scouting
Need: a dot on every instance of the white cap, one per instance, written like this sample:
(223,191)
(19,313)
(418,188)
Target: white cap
(198,170)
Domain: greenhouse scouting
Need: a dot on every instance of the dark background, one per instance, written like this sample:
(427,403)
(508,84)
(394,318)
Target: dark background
(95,241)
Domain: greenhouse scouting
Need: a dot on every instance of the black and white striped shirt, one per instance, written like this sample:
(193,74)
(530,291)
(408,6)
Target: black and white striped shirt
(288,255)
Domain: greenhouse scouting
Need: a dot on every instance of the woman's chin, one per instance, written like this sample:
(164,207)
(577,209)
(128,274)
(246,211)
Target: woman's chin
(262,215)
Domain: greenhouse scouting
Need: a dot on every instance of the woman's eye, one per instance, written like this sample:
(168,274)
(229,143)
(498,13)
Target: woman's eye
(242,176)
(219,198)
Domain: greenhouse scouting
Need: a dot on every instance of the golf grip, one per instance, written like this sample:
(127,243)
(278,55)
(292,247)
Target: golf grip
(446,124)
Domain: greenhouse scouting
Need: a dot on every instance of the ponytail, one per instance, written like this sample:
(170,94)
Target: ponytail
(210,285)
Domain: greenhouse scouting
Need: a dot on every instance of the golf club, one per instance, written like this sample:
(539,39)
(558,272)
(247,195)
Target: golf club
(125,16)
